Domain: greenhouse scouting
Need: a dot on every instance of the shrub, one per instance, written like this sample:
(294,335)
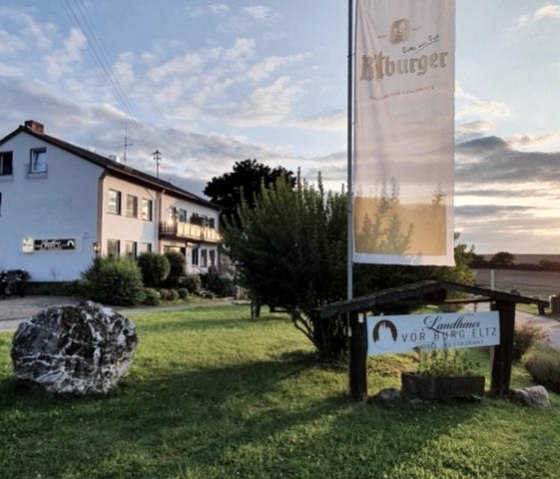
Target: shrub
(115,281)
(183,293)
(525,336)
(176,264)
(220,284)
(169,294)
(191,281)
(446,362)
(543,364)
(155,267)
(152,297)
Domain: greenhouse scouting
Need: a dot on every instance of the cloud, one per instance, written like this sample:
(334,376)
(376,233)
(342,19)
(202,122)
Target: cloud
(545,12)
(215,9)
(333,120)
(471,108)
(59,62)
(258,12)
(264,68)
(492,159)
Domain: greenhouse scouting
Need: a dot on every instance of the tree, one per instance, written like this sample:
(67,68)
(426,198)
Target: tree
(243,184)
(290,251)
(502,260)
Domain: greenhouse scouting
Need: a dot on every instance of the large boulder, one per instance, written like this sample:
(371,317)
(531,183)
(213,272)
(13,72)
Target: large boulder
(535,396)
(73,350)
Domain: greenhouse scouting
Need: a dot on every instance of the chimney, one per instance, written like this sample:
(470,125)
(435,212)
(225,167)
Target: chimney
(35,126)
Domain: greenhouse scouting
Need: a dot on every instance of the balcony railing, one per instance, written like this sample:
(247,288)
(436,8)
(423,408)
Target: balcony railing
(189,231)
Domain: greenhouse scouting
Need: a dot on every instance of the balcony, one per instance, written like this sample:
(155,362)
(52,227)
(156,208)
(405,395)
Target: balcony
(189,231)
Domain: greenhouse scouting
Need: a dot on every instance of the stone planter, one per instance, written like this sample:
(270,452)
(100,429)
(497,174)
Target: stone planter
(424,386)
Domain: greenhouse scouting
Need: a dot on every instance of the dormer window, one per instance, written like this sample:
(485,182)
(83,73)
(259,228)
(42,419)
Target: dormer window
(38,160)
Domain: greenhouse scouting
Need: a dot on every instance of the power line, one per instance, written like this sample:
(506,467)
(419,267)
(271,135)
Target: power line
(80,18)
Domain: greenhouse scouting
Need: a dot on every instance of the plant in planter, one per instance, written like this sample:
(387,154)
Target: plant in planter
(443,374)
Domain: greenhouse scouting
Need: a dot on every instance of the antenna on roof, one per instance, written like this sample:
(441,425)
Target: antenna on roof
(157,159)
(126,143)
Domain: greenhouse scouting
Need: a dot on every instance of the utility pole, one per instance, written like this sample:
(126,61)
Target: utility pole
(126,143)
(157,159)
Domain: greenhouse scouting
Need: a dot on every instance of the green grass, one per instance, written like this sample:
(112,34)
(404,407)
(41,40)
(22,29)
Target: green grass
(212,394)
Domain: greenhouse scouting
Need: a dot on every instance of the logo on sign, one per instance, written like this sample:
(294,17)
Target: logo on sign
(385,333)
(400,30)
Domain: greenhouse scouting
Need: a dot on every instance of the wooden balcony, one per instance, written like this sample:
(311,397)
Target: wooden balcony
(189,231)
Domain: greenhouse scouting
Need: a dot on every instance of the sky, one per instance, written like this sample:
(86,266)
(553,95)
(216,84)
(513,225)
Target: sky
(209,83)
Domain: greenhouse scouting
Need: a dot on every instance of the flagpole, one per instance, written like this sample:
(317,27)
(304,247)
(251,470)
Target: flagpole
(349,205)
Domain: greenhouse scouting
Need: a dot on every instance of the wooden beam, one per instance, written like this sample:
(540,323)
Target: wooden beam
(358,357)
(503,354)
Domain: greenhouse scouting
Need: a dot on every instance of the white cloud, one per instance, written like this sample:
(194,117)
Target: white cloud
(258,12)
(471,108)
(242,48)
(182,65)
(335,120)
(59,62)
(268,65)
(268,105)
(545,12)
(216,9)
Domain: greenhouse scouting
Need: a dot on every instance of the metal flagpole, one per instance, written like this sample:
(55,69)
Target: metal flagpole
(349,206)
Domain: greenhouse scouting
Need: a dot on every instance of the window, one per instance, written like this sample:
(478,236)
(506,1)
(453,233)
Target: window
(38,161)
(182,215)
(195,257)
(113,247)
(212,255)
(204,258)
(147,210)
(211,223)
(114,204)
(146,248)
(131,206)
(6,165)
(130,248)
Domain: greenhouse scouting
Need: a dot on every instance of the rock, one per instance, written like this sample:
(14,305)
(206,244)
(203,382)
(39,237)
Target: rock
(388,396)
(535,396)
(73,350)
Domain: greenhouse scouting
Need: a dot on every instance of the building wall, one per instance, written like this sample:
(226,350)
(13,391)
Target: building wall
(58,204)
(198,254)
(123,227)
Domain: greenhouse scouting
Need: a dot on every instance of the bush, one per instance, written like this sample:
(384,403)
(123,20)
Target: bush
(543,364)
(525,336)
(183,293)
(220,284)
(169,294)
(155,267)
(115,281)
(191,282)
(152,297)
(176,264)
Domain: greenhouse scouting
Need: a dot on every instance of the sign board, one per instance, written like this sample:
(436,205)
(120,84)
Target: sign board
(406,333)
(54,245)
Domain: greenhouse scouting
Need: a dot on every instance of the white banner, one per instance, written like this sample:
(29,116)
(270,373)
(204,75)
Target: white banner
(404,132)
(406,333)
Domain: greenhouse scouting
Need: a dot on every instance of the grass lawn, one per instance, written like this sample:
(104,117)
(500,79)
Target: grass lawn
(212,394)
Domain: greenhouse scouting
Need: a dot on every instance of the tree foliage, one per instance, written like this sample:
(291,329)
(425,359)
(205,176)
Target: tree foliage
(503,259)
(243,184)
(290,251)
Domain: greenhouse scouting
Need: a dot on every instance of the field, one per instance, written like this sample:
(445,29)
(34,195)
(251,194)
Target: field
(529,283)
(212,394)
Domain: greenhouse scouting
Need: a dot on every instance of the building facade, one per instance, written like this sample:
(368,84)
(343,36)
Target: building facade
(61,205)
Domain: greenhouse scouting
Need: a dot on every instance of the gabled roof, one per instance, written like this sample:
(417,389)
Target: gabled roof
(422,292)
(113,167)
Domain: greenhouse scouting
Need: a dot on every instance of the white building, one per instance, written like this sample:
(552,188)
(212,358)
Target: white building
(60,205)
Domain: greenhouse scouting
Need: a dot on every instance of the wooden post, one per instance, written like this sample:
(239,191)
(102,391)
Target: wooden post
(358,357)
(503,354)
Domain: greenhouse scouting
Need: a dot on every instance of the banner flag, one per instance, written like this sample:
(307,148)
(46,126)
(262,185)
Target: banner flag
(404,132)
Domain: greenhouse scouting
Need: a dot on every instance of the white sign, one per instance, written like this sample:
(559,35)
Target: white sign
(405,333)
(27,245)
(404,132)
